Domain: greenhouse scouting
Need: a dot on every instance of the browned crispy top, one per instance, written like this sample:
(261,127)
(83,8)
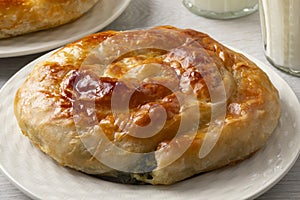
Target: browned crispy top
(89,80)
(18,17)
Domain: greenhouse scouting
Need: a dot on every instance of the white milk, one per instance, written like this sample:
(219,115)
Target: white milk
(221,6)
(281,33)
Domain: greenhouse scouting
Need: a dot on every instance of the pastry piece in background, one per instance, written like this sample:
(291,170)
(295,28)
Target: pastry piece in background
(18,17)
(150,106)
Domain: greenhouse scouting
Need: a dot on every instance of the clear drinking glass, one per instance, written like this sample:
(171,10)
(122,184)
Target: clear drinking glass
(221,9)
(280,24)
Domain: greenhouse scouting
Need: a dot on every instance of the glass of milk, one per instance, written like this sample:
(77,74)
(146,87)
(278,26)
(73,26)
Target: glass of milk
(280,23)
(221,9)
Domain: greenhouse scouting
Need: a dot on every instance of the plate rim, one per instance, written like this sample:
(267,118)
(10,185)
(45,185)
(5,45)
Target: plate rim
(271,73)
(2,169)
(267,69)
(123,4)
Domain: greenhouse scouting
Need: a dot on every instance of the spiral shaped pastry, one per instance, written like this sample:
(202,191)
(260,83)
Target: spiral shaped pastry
(24,16)
(147,106)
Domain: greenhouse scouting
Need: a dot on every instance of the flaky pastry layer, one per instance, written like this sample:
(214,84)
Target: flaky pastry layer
(18,17)
(71,109)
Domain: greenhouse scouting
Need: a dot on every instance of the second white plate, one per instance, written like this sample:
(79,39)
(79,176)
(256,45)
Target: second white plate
(102,14)
(40,177)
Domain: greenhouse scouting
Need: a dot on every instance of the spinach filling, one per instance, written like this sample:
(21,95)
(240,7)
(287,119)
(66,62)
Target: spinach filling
(147,164)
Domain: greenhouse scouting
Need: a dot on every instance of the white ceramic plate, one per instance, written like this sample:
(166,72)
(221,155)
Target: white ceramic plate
(102,14)
(40,177)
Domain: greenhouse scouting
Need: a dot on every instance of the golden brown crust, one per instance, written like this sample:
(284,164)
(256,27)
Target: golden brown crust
(53,106)
(23,16)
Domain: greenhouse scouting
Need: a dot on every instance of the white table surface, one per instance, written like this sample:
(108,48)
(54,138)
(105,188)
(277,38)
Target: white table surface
(243,34)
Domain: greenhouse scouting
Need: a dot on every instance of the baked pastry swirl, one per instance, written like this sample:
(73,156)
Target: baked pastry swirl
(23,16)
(147,106)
